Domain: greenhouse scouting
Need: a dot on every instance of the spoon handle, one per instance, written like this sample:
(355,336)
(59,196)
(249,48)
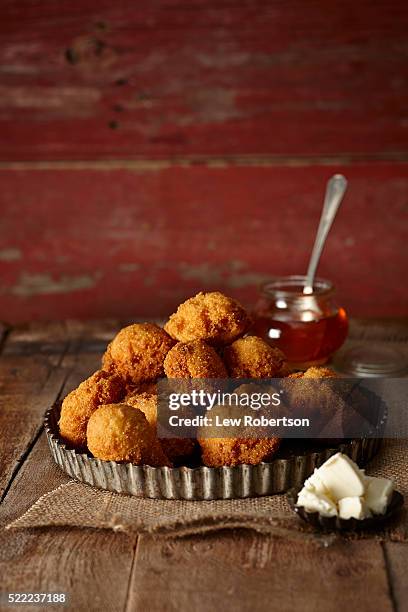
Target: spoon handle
(336,187)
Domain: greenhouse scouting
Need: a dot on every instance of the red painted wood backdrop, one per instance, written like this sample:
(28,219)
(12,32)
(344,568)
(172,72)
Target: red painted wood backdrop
(152,149)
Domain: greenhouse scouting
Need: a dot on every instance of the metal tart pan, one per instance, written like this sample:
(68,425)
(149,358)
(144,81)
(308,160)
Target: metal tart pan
(198,483)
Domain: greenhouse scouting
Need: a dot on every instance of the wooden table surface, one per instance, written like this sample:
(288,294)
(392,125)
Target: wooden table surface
(103,571)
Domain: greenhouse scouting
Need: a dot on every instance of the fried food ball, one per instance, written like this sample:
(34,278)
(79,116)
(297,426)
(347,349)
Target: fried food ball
(217,452)
(311,394)
(137,352)
(344,408)
(194,359)
(100,388)
(149,386)
(240,444)
(147,403)
(118,432)
(315,372)
(212,317)
(175,449)
(252,357)
(178,449)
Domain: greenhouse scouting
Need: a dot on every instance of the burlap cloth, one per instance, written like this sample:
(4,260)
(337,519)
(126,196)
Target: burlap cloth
(79,505)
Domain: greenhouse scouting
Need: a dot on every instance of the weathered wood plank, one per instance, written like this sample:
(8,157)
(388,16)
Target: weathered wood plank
(216,572)
(380,330)
(91,566)
(135,243)
(251,572)
(73,369)
(396,557)
(162,79)
(39,363)
(28,385)
(52,337)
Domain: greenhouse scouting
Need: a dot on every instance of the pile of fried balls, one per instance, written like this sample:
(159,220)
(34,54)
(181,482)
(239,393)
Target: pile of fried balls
(113,414)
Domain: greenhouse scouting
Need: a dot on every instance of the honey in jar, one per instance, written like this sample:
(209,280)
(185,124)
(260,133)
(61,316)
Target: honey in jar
(308,328)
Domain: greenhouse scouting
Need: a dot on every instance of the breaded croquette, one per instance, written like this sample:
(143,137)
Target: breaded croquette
(174,448)
(114,413)
(315,372)
(147,403)
(311,394)
(118,432)
(217,452)
(239,445)
(149,386)
(252,357)
(100,388)
(137,352)
(194,359)
(212,317)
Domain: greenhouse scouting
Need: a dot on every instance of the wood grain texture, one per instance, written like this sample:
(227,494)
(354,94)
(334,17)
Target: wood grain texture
(245,90)
(245,571)
(90,566)
(97,80)
(226,571)
(52,337)
(37,474)
(39,363)
(396,557)
(135,243)
(380,330)
(27,385)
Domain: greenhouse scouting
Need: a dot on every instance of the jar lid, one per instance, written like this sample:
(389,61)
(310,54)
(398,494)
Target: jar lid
(366,362)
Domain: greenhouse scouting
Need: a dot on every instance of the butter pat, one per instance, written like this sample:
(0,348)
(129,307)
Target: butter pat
(353,507)
(314,483)
(316,502)
(340,488)
(378,494)
(342,477)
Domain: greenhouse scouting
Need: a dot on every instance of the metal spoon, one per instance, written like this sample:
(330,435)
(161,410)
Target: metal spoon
(335,190)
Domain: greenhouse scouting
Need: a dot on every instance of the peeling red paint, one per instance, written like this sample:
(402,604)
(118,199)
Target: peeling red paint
(152,151)
(127,243)
(29,285)
(206,78)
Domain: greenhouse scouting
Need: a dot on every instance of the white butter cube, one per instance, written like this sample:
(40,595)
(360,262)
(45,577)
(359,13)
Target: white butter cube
(378,494)
(315,502)
(314,483)
(342,477)
(353,507)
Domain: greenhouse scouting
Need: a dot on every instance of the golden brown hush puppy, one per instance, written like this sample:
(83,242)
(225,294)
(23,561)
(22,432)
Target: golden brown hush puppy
(118,432)
(100,388)
(217,452)
(311,394)
(332,403)
(212,317)
(236,447)
(174,448)
(315,372)
(149,386)
(252,357)
(147,403)
(137,352)
(194,359)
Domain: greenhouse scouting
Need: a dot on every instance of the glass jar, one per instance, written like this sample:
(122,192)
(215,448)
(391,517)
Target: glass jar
(308,328)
